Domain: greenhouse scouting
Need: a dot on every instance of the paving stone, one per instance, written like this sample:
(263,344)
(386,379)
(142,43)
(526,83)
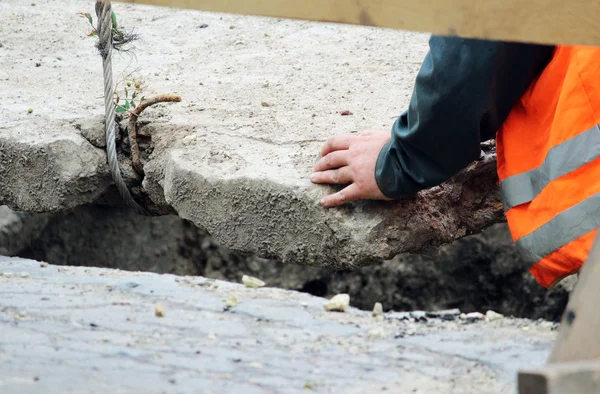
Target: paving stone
(84,330)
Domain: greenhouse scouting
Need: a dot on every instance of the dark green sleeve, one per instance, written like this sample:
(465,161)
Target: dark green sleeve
(462,95)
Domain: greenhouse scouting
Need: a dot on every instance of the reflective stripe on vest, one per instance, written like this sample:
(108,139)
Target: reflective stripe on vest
(561,160)
(564,228)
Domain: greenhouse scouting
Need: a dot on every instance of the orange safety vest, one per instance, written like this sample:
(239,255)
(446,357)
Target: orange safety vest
(549,165)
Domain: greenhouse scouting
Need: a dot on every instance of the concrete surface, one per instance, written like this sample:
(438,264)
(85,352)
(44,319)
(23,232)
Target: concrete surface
(90,330)
(235,155)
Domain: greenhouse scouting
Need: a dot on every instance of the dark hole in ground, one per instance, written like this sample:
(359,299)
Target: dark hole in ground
(476,273)
(316,287)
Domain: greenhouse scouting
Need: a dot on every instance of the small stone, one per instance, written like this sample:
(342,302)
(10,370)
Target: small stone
(231,301)
(345,64)
(159,310)
(265,104)
(547,324)
(30,111)
(212,337)
(252,282)
(346,113)
(376,333)
(266,84)
(203,26)
(377,309)
(339,303)
(491,316)
(256,365)
(24,274)
(43,265)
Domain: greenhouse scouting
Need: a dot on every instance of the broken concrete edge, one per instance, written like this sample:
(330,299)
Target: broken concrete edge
(43,173)
(266,215)
(285,221)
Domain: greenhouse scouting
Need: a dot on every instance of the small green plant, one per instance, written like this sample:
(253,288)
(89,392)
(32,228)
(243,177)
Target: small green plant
(132,95)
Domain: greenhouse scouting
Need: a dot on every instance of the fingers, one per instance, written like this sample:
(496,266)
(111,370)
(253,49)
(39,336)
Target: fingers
(332,160)
(348,194)
(338,142)
(338,176)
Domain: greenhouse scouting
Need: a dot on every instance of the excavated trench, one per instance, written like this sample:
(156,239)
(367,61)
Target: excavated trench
(476,273)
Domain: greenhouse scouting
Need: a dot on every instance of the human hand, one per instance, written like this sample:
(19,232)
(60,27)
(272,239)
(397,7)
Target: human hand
(350,160)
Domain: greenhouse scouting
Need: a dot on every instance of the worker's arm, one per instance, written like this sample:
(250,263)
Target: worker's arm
(462,95)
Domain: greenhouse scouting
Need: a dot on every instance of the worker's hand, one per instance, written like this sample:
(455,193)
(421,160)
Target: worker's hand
(350,160)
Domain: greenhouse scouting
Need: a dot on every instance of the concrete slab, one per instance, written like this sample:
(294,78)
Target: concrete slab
(90,330)
(235,155)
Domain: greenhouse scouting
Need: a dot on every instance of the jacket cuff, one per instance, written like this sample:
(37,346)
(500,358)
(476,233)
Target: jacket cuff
(390,176)
(386,173)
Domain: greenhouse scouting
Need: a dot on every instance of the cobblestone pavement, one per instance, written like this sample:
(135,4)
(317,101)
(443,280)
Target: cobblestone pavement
(90,330)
